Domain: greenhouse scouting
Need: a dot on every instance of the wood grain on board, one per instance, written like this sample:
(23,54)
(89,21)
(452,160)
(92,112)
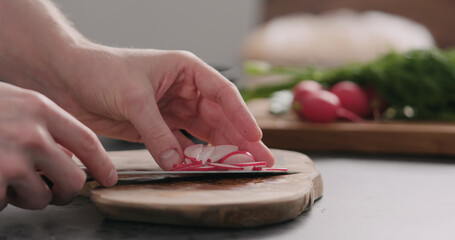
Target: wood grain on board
(289,132)
(239,202)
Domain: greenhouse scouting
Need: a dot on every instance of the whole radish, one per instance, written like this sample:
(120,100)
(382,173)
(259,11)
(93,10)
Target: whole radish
(324,107)
(352,97)
(306,87)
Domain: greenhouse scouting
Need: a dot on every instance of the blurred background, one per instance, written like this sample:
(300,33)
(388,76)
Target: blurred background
(296,33)
(212,29)
(216,30)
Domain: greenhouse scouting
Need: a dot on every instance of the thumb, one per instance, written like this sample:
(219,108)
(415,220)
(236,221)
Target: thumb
(158,138)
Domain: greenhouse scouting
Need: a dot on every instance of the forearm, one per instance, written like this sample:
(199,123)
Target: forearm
(35,38)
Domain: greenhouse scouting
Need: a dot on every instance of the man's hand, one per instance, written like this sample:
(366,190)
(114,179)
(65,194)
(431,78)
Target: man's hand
(34,136)
(137,95)
(149,95)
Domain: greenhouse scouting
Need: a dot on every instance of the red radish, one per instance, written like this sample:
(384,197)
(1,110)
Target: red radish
(225,166)
(377,103)
(193,151)
(221,151)
(306,87)
(205,154)
(186,167)
(237,157)
(324,107)
(352,97)
(302,90)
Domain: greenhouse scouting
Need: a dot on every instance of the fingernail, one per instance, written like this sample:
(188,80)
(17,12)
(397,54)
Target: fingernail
(112,178)
(169,158)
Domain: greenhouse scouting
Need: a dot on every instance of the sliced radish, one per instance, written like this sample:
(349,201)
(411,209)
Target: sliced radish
(193,151)
(275,169)
(187,161)
(221,166)
(257,168)
(248,168)
(186,167)
(221,151)
(237,157)
(205,154)
(250,164)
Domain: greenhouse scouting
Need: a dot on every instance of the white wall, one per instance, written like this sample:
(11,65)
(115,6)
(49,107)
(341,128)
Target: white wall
(212,29)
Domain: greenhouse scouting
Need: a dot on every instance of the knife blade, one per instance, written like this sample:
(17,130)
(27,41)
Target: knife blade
(137,176)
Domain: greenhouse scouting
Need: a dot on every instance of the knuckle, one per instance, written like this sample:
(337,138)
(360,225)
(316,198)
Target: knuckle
(221,95)
(136,98)
(37,103)
(33,138)
(185,54)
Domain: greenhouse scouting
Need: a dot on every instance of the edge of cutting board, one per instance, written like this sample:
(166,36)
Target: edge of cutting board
(289,132)
(217,203)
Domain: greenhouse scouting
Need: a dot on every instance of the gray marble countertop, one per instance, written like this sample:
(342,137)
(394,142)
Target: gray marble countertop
(365,197)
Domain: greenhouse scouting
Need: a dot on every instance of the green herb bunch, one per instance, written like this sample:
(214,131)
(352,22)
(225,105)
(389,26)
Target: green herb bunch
(421,79)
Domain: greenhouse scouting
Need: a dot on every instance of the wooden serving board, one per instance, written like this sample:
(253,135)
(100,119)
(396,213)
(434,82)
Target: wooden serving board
(240,202)
(289,132)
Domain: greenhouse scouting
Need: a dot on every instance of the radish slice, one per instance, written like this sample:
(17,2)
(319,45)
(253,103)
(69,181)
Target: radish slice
(275,169)
(187,161)
(205,154)
(193,151)
(250,164)
(248,168)
(221,151)
(237,157)
(186,167)
(221,166)
(257,168)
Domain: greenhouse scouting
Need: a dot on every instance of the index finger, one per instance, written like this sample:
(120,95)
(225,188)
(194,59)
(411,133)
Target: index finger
(217,88)
(80,140)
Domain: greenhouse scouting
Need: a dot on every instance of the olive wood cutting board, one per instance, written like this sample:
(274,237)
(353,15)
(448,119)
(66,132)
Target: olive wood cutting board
(289,132)
(232,202)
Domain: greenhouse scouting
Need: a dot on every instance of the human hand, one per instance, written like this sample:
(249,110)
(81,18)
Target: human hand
(32,131)
(149,95)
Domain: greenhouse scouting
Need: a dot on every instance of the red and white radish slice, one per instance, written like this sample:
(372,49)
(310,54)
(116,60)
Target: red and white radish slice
(221,151)
(248,168)
(193,151)
(186,167)
(205,154)
(250,164)
(187,161)
(237,157)
(221,166)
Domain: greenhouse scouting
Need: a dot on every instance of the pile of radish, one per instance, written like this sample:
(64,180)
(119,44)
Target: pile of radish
(345,100)
(200,157)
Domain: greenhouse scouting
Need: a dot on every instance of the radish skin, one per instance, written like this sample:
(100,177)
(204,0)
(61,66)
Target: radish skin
(224,166)
(237,157)
(352,97)
(325,107)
